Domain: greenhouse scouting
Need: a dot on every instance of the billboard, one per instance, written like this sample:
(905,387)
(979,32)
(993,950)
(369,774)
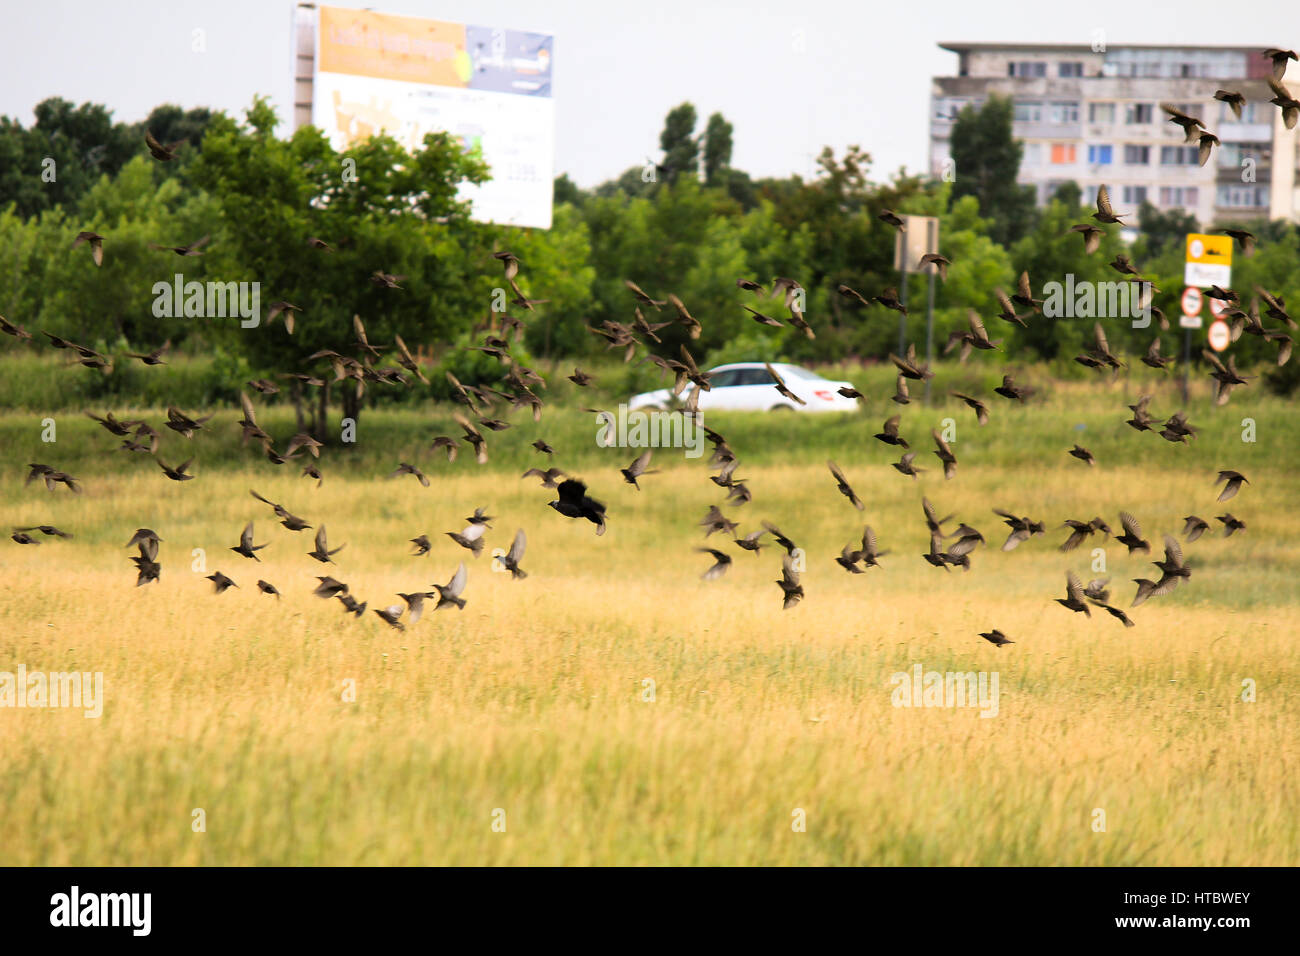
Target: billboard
(407,76)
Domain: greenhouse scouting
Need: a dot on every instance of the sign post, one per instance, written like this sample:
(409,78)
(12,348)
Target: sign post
(1208,262)
(918,237)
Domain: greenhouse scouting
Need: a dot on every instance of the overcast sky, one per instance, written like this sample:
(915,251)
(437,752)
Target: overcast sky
(619,66)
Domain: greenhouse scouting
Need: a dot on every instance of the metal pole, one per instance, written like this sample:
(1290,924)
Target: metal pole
(931,245)
(1187,360)
(902,316)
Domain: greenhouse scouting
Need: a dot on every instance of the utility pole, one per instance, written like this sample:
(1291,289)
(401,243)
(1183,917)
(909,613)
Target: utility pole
(902,316)
(932,242)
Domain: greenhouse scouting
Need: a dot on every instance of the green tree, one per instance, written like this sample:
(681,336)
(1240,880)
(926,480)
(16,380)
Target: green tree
(717,150)
(987,160)
(681,148)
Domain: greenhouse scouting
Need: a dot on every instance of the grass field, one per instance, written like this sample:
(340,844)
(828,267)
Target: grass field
(533,700)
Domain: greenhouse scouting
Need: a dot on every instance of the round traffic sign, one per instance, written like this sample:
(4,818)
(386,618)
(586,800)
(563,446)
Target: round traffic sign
(1191,301)
(1219,335)
(1218,307)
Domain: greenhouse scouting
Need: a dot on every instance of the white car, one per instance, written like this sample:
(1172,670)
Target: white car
(747,387)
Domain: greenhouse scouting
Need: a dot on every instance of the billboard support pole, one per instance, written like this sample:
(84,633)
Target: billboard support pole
(1187,360)
(902,316)
(931,243)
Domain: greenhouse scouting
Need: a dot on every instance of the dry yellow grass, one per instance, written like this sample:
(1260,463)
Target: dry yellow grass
(533,699)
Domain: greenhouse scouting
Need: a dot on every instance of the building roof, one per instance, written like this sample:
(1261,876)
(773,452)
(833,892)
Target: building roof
(1087,48)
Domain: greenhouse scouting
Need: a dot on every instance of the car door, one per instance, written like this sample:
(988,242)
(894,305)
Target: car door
(755,390)
(721,396)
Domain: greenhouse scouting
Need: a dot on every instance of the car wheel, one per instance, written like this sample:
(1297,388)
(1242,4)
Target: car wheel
(781,408)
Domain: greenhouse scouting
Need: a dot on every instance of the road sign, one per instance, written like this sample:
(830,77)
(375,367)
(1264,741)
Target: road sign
(1218,307)
(1219,335)
(1191,301)
(1209,261)
(918,237)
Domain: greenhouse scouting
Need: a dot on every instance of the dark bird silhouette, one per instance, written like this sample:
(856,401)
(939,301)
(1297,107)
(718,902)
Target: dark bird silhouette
(46,529)
(778,537)
(1245,240)
(158,151)
(290,521)
(328,586)
(471,539)
(715,520)
(996,637)
(1022,529)
(510,560)
(1231,524)
(1132,536)
(178,473)
(403,468)
(1153,358)
(450,593)
(721,562)
(1114,612)
(944,454)
(391,614)
(574,502)
(1104,212)
(1009,389)
(889,433)
(1284,101)
(266,587)
(1279,58)
(1234,480)
(781,386)
(1081,453)
(246,546)
(791,589)
(901,395)
(905,466)
(1091,236)
(1194,527)
(940,264)
(322,551)
(981,410)
(842,484)
(908,367)
(221,583)
(96,245)
(191,249)
(10,328)
(1074,599)
(549,476)
(1236,101)
(638,468)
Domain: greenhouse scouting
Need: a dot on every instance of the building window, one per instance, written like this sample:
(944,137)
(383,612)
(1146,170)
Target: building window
(1226,115)
(1069,70)
(1137,155)
(1099,155)
(1090,195)
(1063,153)
(1028,112)
(1136,114)
(1179,156)
(1027,69)
(1179,195)
(1243,197)
(1033,155)
(1135,195)
(1064,112)
(1101,112)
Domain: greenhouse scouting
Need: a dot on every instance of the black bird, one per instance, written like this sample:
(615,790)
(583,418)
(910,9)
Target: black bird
(781,539)
(1234,481)
(266,587)
(791,589)
(905,465)
(574,502)
(220,582)
(721,560)
(842,484)
(996,637)
(638,468)
(1074,599)
(1194,527)
(510,560)
(449,593)
(48,530)
(944,454)
(889,433)
(1115,613)
(1081,453)
(246,546)
(1132,536)
(1009,389)
(981,410)
(178,473)
(1230,524)
(328,587)
(715,520)
(321,552)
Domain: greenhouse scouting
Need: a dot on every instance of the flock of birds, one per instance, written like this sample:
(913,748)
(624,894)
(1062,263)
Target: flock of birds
(517,389)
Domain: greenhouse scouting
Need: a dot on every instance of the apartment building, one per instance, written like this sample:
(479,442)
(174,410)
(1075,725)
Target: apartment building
(1093,116)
